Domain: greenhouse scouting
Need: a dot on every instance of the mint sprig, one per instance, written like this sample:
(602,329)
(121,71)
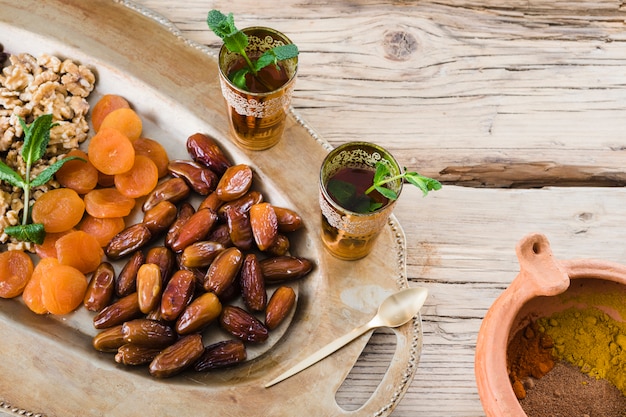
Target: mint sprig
(36,139)
(346,194)
(237,41)
(383,176)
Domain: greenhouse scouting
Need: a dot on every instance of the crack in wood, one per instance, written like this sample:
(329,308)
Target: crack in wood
(532,175)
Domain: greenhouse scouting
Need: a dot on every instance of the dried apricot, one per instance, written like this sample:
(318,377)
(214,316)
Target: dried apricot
(16,268)
(103,229)
(124,120)
(111,152)
(47,248)
(104,106)
(79,175)
(80,250)
(140,180)
(58,210)
(63,289)
(32,292)
(108,202)
(155,151)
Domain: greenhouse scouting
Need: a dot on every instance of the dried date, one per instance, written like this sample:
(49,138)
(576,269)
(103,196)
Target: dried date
(177,357)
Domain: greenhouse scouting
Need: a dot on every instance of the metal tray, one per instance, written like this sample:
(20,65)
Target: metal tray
(47,364)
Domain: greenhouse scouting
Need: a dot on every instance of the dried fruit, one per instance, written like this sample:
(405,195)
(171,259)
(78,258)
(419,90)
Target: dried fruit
(101,288)
(194,229)
(172,190)
(240,229)
(223,270)
(124,309)
(288,220)
(160,217)
(133,355)
(235,182)
(204,149)
(109,340)
(148,333)
(126,282)
(185,212)
(279,306)
(200,178)
(221,355)
(284,268)
(177,294)
(253,284)
(177,357)
(149,286)
(164,258)
(128,240)
(264,225)
(200,254)
(199,313)
(243,325)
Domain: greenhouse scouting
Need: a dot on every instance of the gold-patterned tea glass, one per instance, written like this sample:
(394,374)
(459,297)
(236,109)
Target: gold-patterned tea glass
(257,120)
(347,234)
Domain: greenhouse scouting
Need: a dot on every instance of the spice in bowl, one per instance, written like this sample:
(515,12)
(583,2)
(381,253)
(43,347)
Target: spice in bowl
(571,363)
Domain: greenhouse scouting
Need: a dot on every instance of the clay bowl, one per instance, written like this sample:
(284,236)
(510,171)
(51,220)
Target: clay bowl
(543,286)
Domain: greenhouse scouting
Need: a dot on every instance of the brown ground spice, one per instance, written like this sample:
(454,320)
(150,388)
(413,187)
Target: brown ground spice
(567,392)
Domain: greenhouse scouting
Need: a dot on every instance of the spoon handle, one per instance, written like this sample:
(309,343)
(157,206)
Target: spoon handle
(323,352)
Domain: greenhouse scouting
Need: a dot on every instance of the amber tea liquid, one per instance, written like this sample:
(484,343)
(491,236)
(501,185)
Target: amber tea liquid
(357,232)
(260,125)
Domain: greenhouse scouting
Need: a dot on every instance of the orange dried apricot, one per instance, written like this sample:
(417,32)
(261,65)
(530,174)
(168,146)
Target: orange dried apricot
(124,120)
(104,106)
(63,288)
(47,248)
(108,202)
(80,250)
(155,151)
(16,268)
(103,229)
(111,152)
(32,292)
(80,176)
(140,180)
(58,210)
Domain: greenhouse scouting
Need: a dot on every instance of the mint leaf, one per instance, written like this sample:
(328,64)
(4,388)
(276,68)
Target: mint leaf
(36,138)
(236,41)
(224,27)
(383,176)
(239,78)
(33,232)
(276,54)
(7,174)
(47,174)
(423,183)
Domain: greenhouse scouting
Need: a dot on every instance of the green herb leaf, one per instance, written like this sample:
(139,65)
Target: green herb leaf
(237,41)
(224,27)
(383,176)
(239,78)
(386,192)
(36,138)
(423,183)
(33,232)
(47,174)
(276,54)
(7,174)
(341,191)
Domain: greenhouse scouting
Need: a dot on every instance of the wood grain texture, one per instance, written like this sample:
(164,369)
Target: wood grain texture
(493,99)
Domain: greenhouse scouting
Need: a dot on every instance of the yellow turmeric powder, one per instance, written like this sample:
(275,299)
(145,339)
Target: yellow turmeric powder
(591,340)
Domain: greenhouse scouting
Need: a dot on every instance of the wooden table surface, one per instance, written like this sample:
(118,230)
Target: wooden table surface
(519,108)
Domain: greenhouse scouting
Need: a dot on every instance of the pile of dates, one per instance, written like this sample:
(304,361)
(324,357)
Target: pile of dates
(186,269)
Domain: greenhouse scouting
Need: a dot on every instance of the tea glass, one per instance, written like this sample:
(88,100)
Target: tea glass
(257,120)
(347,234)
